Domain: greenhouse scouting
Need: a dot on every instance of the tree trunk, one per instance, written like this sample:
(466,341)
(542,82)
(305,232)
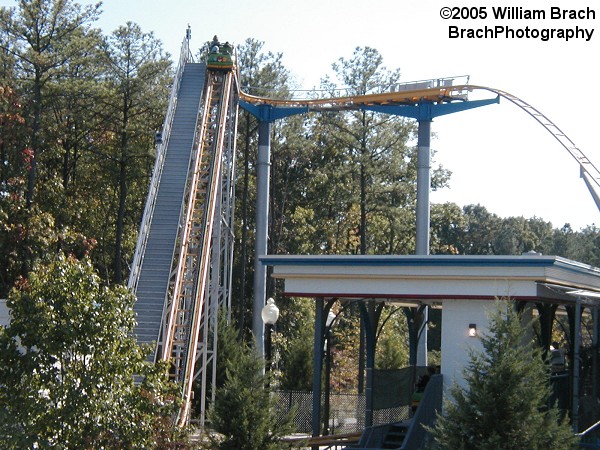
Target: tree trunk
(120,228)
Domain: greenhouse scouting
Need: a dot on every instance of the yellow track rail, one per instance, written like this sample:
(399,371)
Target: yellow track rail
(407,97)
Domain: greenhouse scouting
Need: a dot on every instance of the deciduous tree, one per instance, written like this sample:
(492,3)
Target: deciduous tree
(67,366)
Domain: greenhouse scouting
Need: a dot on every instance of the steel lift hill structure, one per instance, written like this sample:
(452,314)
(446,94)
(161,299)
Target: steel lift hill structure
(181,272)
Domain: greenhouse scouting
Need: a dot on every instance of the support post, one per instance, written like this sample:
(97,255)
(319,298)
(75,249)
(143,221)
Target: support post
(326,406)
(423,219)
(317,365)
(576,351)
(263,174)
(423,186)
(595,354)
(371,314)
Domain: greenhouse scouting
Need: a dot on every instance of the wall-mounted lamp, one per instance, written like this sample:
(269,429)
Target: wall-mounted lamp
(472,330)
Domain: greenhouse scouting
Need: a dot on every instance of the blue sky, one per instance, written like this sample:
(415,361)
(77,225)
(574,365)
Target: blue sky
(500,157)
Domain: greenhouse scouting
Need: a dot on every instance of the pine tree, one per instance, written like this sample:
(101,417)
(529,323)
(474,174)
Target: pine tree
(244,412)
(504,402)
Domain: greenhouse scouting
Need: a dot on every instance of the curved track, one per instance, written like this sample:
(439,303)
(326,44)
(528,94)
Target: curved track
(589,171)
(587,167)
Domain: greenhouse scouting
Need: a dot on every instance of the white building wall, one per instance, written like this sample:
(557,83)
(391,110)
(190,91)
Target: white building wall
(456,342)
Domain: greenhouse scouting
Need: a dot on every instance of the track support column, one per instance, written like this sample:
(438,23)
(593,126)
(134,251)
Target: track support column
(317,366)
(423,219)
(263,175)
(423,186)
(266,115)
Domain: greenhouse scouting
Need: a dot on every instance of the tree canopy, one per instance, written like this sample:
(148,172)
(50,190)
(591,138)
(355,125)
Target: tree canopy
(69,364)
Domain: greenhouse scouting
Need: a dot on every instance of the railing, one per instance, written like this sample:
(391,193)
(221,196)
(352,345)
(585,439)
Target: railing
(161,147)
(426,413)
(315,93)
(346,410)
(430,84)
(590,438)
(329,442)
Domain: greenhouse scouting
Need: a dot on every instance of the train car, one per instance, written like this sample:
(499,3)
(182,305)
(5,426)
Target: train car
(219,56)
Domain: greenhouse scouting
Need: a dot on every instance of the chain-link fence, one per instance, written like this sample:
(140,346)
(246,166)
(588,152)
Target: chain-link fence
(346,411)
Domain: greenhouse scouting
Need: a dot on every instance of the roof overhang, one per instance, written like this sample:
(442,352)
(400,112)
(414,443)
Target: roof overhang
(434,278)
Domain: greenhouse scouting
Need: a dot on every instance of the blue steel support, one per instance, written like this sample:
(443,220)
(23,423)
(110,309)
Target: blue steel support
(319,352)
(423,221)
(371,314)
(423,186)
(270,113)
(576,366)
(424,113)
(427,110)
(266,114)
(592,186)
(263,173)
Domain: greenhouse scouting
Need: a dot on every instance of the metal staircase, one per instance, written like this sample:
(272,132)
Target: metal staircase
(151,274)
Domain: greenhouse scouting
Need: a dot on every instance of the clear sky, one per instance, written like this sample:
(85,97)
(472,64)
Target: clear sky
(499,155)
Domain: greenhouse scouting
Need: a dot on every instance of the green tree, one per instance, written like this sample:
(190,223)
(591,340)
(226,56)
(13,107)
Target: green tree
(138,73)
(67,366)
(447,225)
(44,36)
(373,166)
(41,42)
(294,342)
(584,245)
(504,402)
(392,342)
(13,158)
(244,412)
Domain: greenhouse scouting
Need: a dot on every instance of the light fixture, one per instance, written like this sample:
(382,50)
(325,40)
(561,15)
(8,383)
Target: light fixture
(270,312)
(472,330)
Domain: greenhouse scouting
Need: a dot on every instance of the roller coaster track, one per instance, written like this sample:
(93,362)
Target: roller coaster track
(589,171)
(442,93)
(408,97)
(182,334)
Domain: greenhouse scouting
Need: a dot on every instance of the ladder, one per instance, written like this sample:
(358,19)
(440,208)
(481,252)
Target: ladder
(186,309)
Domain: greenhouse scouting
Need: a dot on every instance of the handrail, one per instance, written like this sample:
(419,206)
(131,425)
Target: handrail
(325,440)
(426,413)
(435,94)
(591,428)
(161,148)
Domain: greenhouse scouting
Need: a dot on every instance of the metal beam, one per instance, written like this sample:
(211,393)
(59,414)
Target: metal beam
(263,175)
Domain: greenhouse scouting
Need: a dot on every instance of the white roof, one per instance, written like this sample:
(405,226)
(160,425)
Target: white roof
(432,278)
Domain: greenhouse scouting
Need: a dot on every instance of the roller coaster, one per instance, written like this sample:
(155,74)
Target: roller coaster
(181,271)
